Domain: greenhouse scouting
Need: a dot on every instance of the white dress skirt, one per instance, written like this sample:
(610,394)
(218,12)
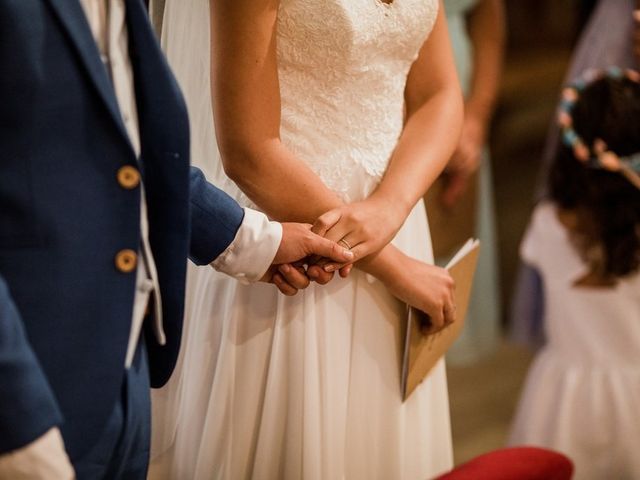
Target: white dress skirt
(305,387)
(582,393)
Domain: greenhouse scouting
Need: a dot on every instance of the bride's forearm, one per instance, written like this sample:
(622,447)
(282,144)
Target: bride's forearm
(287,190)
(245,94)
(278,182)
(384,265)
(415,283)
(425,287)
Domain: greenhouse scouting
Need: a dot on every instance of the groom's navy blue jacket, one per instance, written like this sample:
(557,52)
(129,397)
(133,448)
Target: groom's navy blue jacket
(65,308)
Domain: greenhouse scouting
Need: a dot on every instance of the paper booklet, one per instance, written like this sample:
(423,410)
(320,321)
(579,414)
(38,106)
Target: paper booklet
(422,352)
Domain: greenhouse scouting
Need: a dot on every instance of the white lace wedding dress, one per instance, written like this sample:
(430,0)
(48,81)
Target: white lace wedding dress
(273,387)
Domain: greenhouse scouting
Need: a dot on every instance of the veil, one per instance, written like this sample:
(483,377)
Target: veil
(185,41)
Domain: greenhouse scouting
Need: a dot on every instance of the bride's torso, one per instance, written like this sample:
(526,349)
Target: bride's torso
(343,67)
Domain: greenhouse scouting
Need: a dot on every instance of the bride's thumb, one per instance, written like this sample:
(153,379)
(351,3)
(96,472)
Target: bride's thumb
(326,221)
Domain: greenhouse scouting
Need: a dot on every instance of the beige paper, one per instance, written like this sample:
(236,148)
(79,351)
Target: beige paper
(422,352)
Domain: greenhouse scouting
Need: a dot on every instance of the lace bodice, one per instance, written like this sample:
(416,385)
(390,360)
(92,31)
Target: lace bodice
(343,66)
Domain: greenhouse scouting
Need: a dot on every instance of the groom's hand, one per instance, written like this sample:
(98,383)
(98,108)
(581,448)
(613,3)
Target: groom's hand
(298,243)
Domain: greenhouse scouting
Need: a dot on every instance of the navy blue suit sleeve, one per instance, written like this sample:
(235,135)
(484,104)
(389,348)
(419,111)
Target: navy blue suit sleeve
(215,219)
(28,407)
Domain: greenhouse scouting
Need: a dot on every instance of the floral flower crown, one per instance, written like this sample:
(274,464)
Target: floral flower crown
(598,156)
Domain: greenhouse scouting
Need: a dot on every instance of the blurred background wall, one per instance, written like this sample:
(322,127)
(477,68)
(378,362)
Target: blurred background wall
(541,36)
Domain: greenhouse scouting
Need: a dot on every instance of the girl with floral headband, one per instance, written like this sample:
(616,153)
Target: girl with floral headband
(611,37)
(582,392)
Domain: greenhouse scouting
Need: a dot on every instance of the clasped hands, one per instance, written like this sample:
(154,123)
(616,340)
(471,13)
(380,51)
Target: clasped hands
(357,233)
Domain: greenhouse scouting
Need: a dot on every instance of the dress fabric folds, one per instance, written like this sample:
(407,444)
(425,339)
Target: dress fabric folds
(305,387)
(582,390)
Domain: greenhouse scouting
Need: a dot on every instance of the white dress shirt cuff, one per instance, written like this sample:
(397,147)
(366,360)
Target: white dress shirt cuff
(253,249)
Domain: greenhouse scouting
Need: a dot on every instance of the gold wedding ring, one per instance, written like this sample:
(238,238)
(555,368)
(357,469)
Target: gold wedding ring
(345,243)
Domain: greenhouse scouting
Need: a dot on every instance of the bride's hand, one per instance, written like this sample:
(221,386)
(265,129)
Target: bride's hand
(425,287)
(363,227)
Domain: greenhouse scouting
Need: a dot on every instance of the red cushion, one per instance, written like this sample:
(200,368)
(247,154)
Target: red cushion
(521,463)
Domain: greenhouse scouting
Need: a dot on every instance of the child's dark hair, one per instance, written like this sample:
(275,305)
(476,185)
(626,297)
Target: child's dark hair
(606,204)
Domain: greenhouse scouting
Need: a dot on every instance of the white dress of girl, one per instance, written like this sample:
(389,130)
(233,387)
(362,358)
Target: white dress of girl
(582,394)
(272,387)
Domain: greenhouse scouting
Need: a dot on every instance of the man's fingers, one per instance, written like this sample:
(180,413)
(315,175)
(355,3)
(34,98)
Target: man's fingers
(326,221)
(295,277)
(346,270)
(317,260)
(318,275)
(283,286)
(334,267)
